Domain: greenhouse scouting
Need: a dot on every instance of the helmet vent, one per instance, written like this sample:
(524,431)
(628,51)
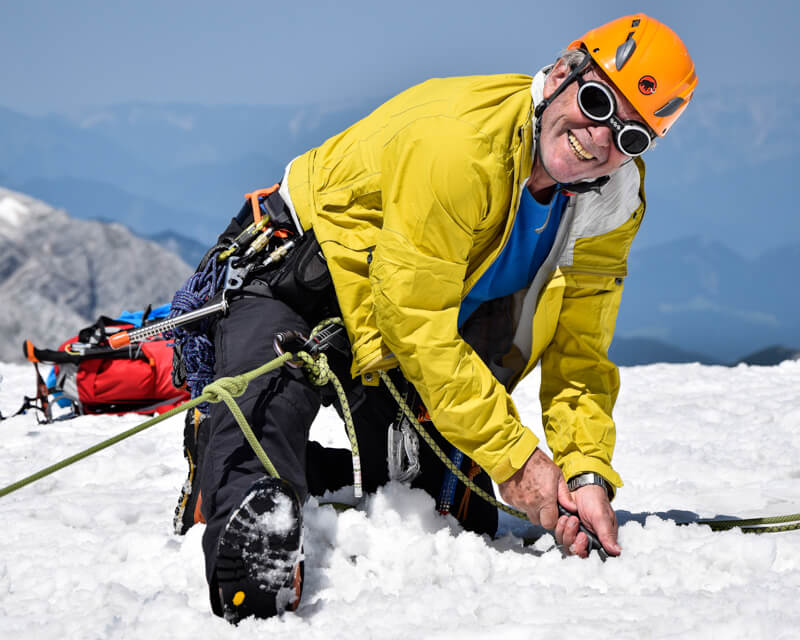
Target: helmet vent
(669,108)
(624,51)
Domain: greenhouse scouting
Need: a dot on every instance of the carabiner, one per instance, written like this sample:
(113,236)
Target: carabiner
(285,336)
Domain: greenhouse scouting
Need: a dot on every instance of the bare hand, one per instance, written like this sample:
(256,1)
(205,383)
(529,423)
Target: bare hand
(536,489)
(597,515)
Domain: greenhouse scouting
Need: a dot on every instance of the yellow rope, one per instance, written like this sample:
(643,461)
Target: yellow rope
(747,526)
(442,455)
(226,390)
(320,373)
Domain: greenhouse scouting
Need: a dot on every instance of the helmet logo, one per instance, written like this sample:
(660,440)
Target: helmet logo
(647,85)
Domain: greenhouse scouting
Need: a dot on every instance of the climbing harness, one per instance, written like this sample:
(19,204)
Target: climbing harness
(207,293)
(311,353)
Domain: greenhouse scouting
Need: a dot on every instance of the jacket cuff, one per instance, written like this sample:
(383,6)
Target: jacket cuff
(515,457)
(576,463)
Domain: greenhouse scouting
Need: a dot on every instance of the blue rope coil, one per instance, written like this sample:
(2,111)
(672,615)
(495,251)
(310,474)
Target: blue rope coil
(194,342)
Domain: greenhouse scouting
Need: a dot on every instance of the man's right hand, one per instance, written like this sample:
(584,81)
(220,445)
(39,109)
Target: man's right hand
(539,486)
(536,489)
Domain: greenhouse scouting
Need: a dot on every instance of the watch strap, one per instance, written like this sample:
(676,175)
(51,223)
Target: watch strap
(584,479)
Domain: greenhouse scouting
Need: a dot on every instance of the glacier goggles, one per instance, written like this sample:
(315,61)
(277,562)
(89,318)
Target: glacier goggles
(596,101)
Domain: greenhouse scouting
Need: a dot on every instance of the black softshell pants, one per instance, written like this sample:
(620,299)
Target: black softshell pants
(280,407)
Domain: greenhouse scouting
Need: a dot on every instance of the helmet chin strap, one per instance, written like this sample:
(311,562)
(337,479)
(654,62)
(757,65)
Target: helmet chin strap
(575,187)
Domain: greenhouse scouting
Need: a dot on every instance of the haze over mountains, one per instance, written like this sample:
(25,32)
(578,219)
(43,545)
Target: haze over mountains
(710,273)
(709,301)
(179,167)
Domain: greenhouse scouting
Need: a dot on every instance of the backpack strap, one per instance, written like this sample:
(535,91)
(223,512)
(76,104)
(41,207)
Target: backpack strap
(56,356)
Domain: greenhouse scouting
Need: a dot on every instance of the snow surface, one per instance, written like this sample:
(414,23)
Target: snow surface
(89,552)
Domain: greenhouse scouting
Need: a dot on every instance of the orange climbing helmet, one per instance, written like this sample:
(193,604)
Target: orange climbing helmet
(648,63)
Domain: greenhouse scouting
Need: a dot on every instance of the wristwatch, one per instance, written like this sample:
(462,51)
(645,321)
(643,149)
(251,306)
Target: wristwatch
(583,479)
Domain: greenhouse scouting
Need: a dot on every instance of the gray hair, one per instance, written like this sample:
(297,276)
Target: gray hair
(573,57)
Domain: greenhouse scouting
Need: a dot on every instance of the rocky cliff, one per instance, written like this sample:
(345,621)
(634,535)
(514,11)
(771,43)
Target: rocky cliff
(58,274)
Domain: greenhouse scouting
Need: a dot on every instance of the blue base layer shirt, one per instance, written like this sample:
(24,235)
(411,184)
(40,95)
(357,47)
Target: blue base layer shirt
(528,245)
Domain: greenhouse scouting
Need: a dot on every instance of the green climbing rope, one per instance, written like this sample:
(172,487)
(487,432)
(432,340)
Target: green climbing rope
(319,373)
(219,390)
(773,524)
(98,447)
(226,390)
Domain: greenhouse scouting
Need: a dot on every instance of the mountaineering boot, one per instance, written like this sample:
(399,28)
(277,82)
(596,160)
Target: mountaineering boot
(195,437)
(259,569)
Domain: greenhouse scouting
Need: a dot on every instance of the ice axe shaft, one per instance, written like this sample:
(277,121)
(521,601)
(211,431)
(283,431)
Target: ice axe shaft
(124,338)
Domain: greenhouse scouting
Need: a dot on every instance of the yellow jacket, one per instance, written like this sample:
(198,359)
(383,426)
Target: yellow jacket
(411,205)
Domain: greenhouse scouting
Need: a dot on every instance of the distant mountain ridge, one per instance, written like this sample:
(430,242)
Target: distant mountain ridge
(718,192)
(58,274)
(188,249)
(728,161)
(771,355)
(189,164)
(705,298)
(629,352)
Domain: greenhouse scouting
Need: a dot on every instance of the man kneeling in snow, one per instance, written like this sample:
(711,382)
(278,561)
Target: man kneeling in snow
(466,230)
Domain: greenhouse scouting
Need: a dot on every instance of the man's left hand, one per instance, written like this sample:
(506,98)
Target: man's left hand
(597,515)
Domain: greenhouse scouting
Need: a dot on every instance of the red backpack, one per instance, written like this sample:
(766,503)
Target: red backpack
(88,376)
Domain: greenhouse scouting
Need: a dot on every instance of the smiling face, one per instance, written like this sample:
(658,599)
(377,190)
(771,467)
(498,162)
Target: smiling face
(573,147)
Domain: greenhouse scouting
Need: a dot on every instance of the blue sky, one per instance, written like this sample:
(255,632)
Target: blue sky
(728,162)
(723,175)
(61,55)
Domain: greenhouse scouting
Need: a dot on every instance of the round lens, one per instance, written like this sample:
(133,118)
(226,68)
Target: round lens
(595,101)
(633,141)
